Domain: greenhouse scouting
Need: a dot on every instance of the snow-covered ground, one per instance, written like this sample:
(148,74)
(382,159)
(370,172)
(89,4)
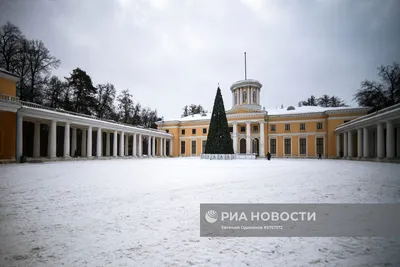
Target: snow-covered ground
(146,212)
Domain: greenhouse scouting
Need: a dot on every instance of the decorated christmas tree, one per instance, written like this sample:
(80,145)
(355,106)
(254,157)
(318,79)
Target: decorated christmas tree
(219,139)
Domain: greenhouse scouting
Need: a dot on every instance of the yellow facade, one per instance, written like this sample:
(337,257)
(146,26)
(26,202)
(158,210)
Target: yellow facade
(7,119)
(288,132)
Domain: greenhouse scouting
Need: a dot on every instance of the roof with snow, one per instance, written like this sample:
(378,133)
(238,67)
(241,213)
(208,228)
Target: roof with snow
(276,112)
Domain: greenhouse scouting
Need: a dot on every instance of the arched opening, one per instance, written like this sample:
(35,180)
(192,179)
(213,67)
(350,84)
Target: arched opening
(242,146)
(255,147)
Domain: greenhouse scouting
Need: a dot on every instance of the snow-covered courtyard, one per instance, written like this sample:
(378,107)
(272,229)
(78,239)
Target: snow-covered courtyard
(146,212)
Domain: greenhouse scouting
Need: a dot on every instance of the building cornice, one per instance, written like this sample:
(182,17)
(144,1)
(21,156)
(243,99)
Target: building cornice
(247,82)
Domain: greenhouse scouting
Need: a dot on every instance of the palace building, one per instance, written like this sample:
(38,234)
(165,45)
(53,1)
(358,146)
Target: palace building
(295,131)
(34,132)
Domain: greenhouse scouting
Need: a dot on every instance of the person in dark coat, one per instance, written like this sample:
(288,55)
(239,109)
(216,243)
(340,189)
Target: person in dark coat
(269,156)
(319,156)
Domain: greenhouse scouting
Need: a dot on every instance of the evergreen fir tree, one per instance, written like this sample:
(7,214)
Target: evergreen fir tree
(219,139)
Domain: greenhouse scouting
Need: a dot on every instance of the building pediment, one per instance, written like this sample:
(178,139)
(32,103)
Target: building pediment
(245,109)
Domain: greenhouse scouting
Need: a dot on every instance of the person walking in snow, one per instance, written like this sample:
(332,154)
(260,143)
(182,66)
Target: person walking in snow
(269,156)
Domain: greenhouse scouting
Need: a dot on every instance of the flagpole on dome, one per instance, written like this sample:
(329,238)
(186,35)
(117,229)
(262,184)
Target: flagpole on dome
(245,67)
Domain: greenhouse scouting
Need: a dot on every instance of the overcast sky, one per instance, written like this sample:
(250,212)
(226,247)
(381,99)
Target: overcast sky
(172,53)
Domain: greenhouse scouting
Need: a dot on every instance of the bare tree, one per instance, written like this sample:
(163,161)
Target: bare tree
(10,40)
(381,94)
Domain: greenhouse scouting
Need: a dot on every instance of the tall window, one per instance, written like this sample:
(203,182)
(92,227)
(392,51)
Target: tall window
(303,146)
(204,130)
(319,125)
(272,145)
(320,145)
(255,128)
(231,129)
(193,131)
(242,129)
(183,131)
(193,147)
(183,146)
(254,96)
(287,127)
(203,144)
(273,128)
(288,146)
(244,96)
(302,126)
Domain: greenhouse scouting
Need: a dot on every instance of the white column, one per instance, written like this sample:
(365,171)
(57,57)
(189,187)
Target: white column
(248,95)
(108,145)
(366,143)
(359,143)
(36,141)
(350,145)
(53,139)
(380,141)
(248,138)
(345,145)
(121,144)
(235,139)
(258,96)
(149,146)
(84,146)
(140,146)
(153,147)
(161,147)
(390,140)
(398,142)
(337,145)
(89,142)
(233,98)
(115,144)
(99,143)
(20,137)
(134,146)
(73,144)
(237,96)
(165,147)
(262,137)
(66,140)
(171,143)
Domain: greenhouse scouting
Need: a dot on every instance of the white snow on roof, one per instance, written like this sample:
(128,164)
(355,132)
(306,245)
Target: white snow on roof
(279,111)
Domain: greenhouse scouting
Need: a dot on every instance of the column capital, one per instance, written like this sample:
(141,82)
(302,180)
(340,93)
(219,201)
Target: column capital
(235,123)
(248,122)
(261,122)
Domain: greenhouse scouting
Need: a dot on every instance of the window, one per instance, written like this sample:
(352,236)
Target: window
(183,148)
(231,129)
(203,144)
(244,96)
(302,126)
(287,127)
(254,96)
(288,146)
(319,125)
(303,146)
(272,144)
(273,128)
(235,98)
(193,131)
(242,129)
(255,128)
(167,131)
(320,145)
(204,130)
(183,131)
(193,147)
